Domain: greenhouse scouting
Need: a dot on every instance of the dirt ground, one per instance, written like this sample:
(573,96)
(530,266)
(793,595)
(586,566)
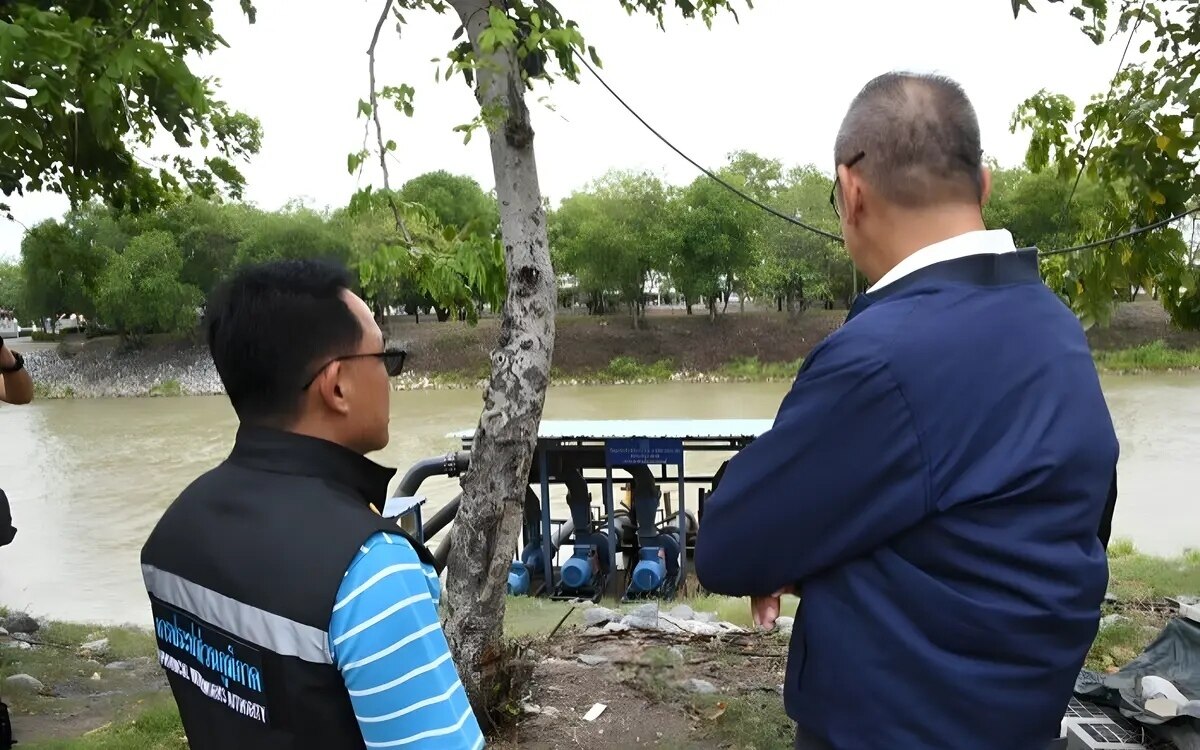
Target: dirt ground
(657,690)
(586,344)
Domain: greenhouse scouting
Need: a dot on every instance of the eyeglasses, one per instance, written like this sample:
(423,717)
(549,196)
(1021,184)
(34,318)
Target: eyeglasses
(833,191)
(393,361)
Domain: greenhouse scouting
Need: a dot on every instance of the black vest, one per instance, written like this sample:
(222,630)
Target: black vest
(243,571)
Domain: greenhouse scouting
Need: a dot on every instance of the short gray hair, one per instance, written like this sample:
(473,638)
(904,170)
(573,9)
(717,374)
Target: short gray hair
(920,138)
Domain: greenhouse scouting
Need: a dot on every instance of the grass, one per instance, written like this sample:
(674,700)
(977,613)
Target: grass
(1152,357)
(751,369)
(58,662)
(155,727)
(170,387)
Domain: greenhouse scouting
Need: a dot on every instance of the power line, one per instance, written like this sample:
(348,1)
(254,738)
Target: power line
(1127,235)
(829,235)
(694,163)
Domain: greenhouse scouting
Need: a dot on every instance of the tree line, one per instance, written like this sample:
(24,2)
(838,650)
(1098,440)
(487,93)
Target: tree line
(150,272)
(612,243)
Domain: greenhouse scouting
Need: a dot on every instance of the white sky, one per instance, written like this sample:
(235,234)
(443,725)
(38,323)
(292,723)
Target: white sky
(778,84)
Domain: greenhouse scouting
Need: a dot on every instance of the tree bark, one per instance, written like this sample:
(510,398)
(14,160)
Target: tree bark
(485,531)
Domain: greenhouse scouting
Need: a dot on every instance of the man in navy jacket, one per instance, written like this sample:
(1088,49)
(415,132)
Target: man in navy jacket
(936,480)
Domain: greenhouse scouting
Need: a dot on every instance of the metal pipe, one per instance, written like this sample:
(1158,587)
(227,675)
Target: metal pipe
(645,500)
(450,465)
(442,553)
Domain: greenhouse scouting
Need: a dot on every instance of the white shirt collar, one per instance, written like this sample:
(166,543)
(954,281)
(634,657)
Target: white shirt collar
(979,242)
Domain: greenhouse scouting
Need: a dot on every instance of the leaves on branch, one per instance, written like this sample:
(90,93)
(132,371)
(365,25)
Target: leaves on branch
(87,84)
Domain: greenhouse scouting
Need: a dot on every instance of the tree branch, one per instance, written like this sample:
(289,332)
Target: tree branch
(387,186)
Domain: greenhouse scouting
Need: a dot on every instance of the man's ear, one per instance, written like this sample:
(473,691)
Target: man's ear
(332,387)
(852,195)
(985,182)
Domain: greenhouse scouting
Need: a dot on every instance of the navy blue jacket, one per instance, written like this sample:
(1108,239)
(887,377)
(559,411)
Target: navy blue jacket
(934,485)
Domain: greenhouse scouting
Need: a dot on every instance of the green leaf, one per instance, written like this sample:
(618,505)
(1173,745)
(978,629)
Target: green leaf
(364,108)
(390,146)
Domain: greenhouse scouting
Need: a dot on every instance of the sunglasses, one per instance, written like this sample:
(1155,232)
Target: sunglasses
(833,191)
(393,361)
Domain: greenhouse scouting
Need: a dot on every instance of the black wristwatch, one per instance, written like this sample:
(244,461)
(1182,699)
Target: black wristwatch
(18,363)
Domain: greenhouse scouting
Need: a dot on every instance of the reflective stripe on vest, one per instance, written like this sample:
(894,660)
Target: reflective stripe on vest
(257,626)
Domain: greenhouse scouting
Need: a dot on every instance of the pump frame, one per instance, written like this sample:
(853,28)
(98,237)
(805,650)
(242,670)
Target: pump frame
(596,445)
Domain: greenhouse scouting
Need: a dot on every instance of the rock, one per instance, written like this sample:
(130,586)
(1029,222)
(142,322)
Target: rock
(683,612)
(96,676)
(703,687)
(592,660)
(646,611)
(677,652)
(4,634)
(704,616)
(635,620)
(97,647)
(1109,620)
(595,616)
(668,624)
(122,666)
(25,681)
(550,711)
(615,627)
(20,623)
(784,624)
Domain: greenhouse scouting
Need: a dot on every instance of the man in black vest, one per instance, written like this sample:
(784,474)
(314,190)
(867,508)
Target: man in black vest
(275,626)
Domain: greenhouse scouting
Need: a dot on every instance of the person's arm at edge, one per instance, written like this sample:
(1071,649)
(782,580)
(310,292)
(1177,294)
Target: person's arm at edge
(15,387)
(426,705)
(840,472)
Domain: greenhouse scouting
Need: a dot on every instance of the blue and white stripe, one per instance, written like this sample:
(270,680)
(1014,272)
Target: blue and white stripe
(387,641)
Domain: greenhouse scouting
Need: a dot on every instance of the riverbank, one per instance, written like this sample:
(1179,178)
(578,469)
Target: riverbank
(100,688)
(754,347)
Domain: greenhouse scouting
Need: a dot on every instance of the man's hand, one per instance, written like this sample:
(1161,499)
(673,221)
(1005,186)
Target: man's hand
(765,609)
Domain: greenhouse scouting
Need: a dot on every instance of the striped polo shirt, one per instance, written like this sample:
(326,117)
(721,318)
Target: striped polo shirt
(387,641)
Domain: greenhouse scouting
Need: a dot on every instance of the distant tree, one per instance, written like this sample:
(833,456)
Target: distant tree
(456,200)
(140,291)
(295,232)
(795,265)
(12,287)
(717,242)
(612,235)
(61,269)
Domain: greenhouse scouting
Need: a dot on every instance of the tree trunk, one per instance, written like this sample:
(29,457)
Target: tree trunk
(485,531)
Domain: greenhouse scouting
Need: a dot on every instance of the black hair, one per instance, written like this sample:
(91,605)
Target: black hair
(270,325)
(920,138)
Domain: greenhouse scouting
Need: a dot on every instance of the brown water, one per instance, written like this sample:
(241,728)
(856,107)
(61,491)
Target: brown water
(88,478)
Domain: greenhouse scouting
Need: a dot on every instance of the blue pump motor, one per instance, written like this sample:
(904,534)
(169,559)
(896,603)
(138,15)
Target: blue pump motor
(518,579)
(577,571)
(650,571)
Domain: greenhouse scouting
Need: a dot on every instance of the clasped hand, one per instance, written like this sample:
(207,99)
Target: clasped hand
(765,609)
